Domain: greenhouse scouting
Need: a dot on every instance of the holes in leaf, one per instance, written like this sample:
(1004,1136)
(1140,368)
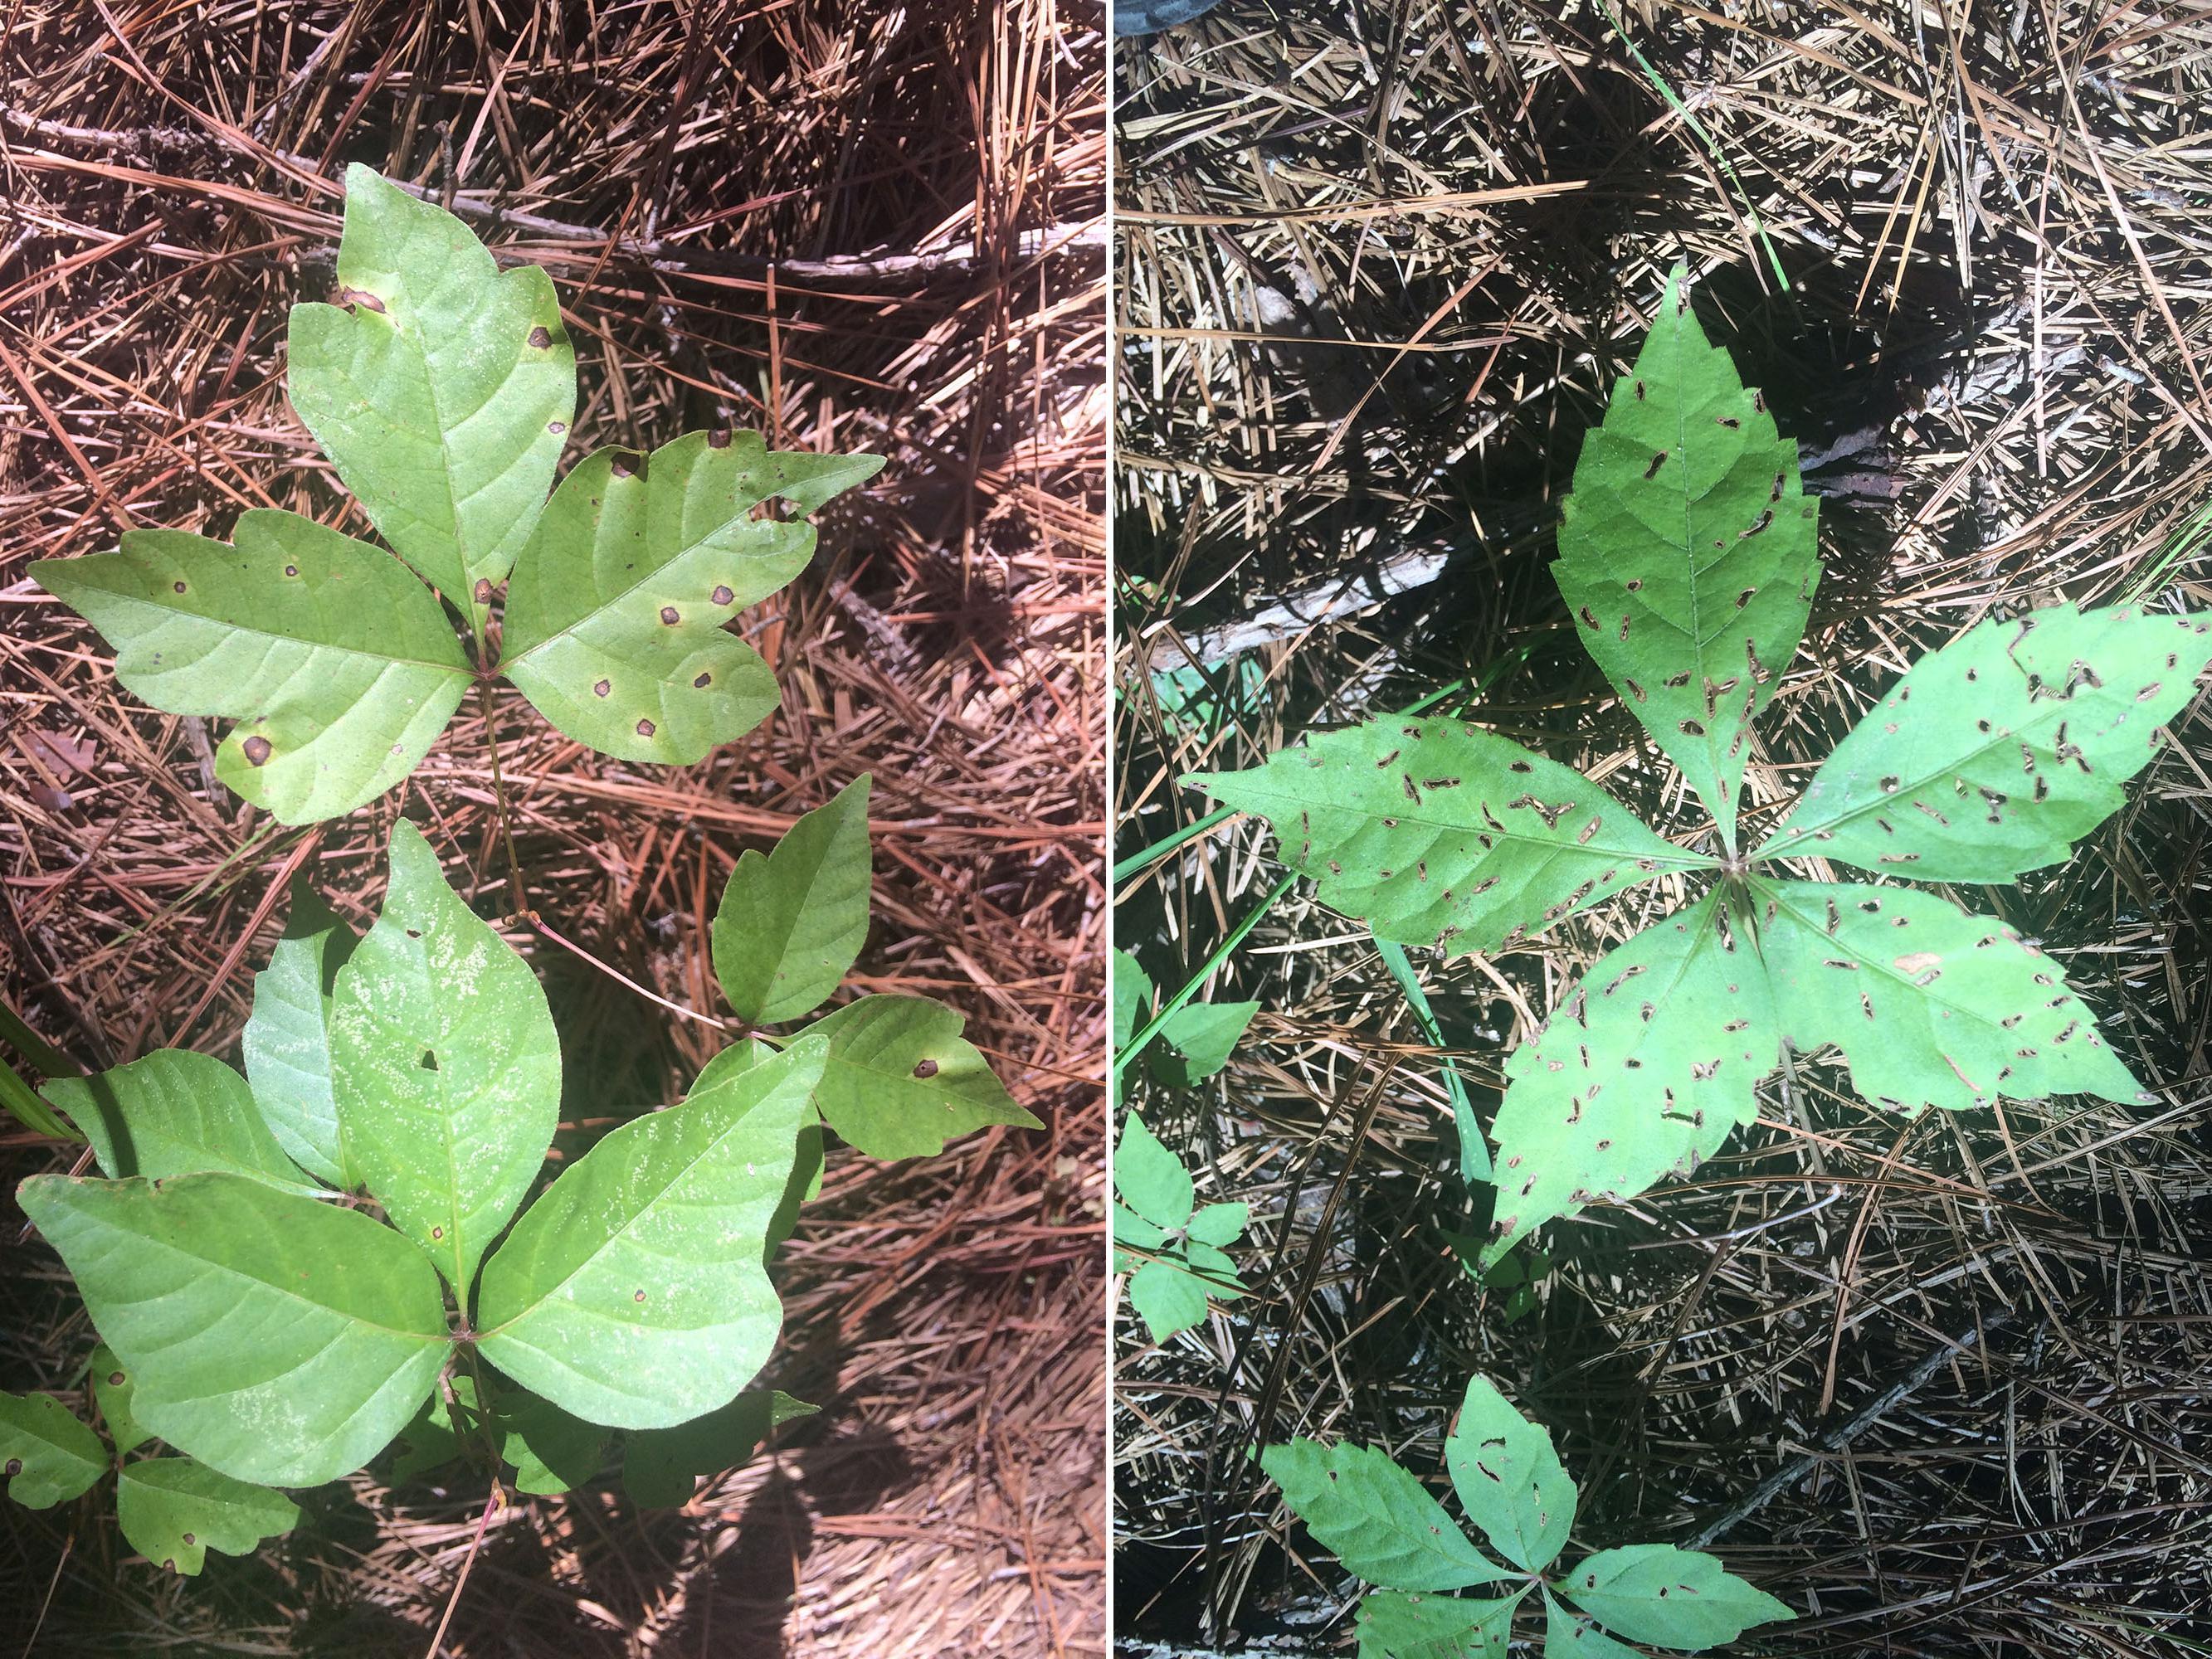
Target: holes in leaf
(1693,728)
(15,1465)
(719,438)
(430,1061)
(1657,461)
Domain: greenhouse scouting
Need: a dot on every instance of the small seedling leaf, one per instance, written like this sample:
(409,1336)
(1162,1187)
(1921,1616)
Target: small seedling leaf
(615,618)
(1508,1477)
(1931,1004)
(1380,1522)
(1687,554)
(1671,1597)
(1202,1036)
(287,1041)
(1641,1071)
(47,1453)
(339,666)
(633,1292)
(112,1388)
(173,1510)
(902,1081)
(445,1065)
(174,1112)
(279,1339)
(1435,833)
(1994,754)
(1402,1625)
(661,1466)
(791,922)
(441,388)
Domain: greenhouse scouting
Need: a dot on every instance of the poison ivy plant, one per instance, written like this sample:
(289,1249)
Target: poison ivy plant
(1175,1254)
(1195,1040)
(1687,561)
(1386,1528)
(271,1335)
(442,391)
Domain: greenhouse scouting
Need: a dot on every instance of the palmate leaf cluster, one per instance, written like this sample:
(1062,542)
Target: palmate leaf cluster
(442,389)
(1386,1528)
(1687,560)
(275,1333)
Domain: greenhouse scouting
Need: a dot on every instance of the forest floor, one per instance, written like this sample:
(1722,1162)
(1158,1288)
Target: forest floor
(1379,267)
(854,228)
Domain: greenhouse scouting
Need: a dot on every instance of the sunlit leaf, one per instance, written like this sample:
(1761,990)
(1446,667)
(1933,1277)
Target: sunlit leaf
(1433,832)
(337,663)
(173,1510)
(1672,1597)
(47,1453)
(792,921)
(1994,754)
(1201,1036)
(1508,1477)
(902,1081)
(171,1113)
(444,1064)
(287,1041)
(632,1292)
(441,388)
(615,618)
(280,1338)
(1380,1522)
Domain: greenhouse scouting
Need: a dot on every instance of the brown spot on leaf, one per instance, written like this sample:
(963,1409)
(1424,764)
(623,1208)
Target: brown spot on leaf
(723,595)
(603,688)
(1657,461)
(483,590)
(719,438)
(257,750)
(645,729)
(670,615)
(924,1068)
(541,337)
(703,681)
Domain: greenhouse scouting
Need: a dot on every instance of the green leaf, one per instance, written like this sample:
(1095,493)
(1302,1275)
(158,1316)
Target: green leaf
(112,1388)
(441,390)
(1150,1178)
(1566,1637)
(46,1451)
(807,1163)
(23,1104)
(632,1292)
(281,1340)
(1133,998)
(1931,1004)
(902,1081)
(173,1510)
(432,1438)
(445,1065)
(1995,753)
(791,922)
(1437,833)
(1168,1299)
(1687,551)
(661,1466)
(1203,1036)
(551,1450)
(1380,1521)
(1508,1477)
(1674,1598)
(1396,1625)
(615,617)
(287,1041)
(173,1112)
(340,667)
(1642,1071)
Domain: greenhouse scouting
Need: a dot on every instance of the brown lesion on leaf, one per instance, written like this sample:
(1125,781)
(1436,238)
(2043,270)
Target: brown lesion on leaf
(703,682)
(1657,461)
(1691,728)
(1676,681)
(670,616)
(645,729)
(1589,617)
(257,750)
(603,688)
(1758,524)
(628,463)
(351,297)
(541,338)
(1386,759)
(1727,420)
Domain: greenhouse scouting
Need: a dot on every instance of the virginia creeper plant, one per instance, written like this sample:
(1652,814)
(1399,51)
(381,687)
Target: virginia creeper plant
(1386,1528)
(442,391)
(1688,558)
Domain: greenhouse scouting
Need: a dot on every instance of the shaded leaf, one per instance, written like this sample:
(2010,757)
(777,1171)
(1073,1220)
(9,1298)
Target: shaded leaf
(1202,1034)
(632,1292)
(23,1104)
(1400,1625)
(1508,1477)
(1380,1521)
(1673,1597)
(279,1339)
(1150,1178)
(661,1467)
(1931,1004)
(338,664)
(444,1064)
(615,618)
(173,1510)
(902,1081)
(174,1112)
(443,398)
(551,1450)
(1133,998)
(791,922)
(1641,1072)
(1994,754)
(1687,552)
(287,1042)
(1438,833)
(47,1453)
(1182,1261)
(112,1388)
(1168,1299)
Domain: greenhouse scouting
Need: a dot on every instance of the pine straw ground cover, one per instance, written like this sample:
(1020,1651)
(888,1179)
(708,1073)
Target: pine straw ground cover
(857,229)
(1968,1355)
